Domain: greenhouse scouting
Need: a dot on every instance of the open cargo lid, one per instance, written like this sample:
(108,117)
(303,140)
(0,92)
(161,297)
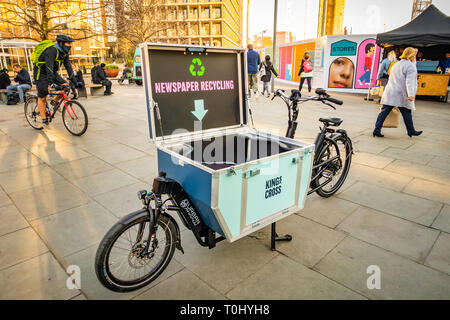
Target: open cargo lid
(193,89)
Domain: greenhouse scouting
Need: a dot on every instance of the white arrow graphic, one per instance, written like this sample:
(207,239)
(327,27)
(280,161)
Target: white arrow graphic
(200,111)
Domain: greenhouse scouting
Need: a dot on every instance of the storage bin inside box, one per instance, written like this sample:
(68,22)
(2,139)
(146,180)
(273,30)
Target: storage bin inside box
(233,149)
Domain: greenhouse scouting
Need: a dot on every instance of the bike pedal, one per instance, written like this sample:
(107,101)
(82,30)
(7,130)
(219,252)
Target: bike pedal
(327,174)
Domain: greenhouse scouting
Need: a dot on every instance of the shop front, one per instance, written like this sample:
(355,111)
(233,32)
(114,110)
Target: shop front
(430,34)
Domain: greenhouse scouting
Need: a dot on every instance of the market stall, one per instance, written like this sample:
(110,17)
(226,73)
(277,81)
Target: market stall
(430,33)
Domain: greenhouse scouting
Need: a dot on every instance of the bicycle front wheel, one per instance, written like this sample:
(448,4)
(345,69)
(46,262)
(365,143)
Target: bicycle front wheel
(336,156)
(121,263)
(32,114)
(74,117)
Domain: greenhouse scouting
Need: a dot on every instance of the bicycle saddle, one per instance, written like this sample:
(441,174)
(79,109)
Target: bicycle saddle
(331,121)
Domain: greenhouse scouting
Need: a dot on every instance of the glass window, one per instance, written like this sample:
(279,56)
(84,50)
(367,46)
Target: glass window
(206,13)
(218,12)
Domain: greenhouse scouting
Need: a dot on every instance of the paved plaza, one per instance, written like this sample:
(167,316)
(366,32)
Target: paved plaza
(59,194)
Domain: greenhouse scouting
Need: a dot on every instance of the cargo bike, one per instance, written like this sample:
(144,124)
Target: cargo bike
(224,178)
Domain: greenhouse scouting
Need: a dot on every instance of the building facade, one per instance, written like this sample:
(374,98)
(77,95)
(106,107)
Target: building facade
(213,22)
(331,17)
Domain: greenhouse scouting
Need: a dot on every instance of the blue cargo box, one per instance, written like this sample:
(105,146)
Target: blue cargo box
(239,179)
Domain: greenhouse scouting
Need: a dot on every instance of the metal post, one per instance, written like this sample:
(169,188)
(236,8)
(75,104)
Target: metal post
(275,14)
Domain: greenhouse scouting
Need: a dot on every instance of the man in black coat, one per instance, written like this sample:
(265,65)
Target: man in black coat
(4,79)
(22,77)
(100,77)
(93,71)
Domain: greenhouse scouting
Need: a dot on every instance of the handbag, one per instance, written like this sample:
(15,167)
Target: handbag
(393,118)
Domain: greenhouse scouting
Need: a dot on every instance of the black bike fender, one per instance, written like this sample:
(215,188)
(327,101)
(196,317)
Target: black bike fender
(134,215)
(341,133)
(178,245)
(145,212)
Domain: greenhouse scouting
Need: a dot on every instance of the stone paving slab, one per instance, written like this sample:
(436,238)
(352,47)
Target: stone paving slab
(327,211)
(142,168)
(184,285)
(401,278)
(82,168)
(439,257)
(419,171)
(378,177)
(92,288)
(116,153)
(12,220)
(41,201)
(76,229)
(371,160)
(429,190)
(24,179)
(242,257)
(38,278)
(391,233)
(20,246)
(398,204)
(103,182)
(442,222)
(310,240)
(4,199)
(58,152)
(407,155)
(284,279)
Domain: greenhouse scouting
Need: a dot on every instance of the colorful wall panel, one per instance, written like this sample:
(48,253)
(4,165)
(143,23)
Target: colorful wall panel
(285,68)
(298,52)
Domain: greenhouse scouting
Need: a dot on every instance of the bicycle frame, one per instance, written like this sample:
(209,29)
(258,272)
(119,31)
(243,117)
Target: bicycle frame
(64,101)
(321,138)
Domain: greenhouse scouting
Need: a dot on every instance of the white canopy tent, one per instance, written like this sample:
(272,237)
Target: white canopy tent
(16,51)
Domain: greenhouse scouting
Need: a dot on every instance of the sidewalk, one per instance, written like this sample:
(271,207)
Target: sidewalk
(59,194)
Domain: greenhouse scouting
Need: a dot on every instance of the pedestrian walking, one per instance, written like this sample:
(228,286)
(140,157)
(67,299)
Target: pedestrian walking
(400,92)
(385,68)
(305,72)
(253,62)
(266,67)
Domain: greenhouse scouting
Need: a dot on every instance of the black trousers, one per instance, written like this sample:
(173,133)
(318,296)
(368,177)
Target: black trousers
(107,84)
(302,80)
(407,118)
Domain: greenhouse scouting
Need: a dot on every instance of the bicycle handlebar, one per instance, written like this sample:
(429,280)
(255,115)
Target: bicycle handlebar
(333,100)
(322,96)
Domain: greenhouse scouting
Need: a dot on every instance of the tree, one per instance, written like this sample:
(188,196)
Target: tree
(140,21)
(40,19)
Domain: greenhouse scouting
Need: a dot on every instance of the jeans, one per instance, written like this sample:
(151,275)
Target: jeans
(266,87)
(107,84)
(407,118)
(20,88)
(302,80)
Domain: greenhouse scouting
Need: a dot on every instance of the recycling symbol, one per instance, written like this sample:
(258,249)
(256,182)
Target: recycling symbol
(196,68)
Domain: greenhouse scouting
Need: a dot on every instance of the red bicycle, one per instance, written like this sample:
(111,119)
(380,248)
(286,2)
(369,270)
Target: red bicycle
(74,115)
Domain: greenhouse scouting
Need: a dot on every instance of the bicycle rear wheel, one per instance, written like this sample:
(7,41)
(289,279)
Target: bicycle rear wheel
(334,172)
(122,265)
(32,114)
(74,117)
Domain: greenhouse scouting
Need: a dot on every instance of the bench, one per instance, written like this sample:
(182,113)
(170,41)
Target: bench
(95,89)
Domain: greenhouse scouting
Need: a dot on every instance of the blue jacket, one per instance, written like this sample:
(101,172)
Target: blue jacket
(23,77)
(253,61)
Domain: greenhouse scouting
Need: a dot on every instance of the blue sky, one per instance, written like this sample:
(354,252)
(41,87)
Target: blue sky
(363,16)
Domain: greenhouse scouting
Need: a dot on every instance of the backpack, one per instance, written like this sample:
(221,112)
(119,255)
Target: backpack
(307,66)
(13,99)
(390,66)
(38,51)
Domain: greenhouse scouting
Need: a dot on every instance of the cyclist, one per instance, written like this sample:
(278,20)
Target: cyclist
(45,73)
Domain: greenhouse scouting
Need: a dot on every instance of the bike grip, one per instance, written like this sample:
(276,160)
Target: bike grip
(336,101)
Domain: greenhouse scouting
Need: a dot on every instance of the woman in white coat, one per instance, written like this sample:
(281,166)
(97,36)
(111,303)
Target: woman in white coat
(400,92)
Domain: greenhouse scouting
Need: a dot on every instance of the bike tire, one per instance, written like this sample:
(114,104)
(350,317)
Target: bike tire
(103,252)
(65,115)
(345,167)
(31,112)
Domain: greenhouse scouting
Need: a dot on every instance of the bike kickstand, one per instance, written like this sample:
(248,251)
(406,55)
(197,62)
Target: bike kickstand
(274,237)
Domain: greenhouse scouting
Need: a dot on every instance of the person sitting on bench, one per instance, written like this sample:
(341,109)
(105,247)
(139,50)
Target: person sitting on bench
(126,74)
(100,78)
(22,77)
(4,79)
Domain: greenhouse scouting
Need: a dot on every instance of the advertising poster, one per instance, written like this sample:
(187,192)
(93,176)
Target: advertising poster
(348,62)
(298,52)
(368,55)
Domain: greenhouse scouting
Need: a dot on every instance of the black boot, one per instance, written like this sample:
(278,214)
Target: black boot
(414,133)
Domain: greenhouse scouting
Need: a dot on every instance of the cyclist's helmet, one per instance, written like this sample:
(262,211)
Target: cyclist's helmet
(63,38)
